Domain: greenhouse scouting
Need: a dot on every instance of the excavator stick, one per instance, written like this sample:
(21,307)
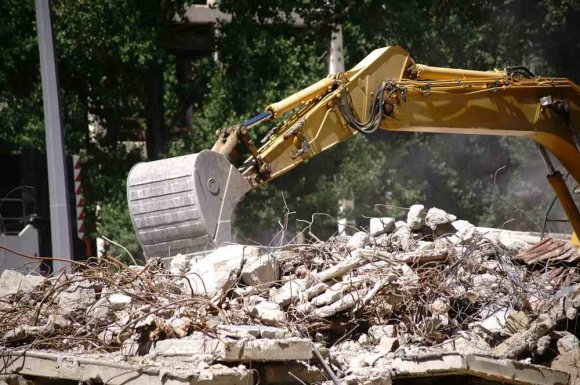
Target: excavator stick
(184,204)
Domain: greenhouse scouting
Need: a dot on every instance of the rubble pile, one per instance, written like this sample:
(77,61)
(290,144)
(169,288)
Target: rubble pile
(350,306)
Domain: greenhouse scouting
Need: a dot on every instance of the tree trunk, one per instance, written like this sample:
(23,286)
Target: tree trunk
(156,134)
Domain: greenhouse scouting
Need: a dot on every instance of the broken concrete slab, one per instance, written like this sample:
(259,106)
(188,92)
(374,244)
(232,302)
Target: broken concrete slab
(402,236)
(117,370)
(466,232)
(288,292)
(382,225)
(13,379)
(252,331)
(436,217)
(217,271)
(416,217)
(77,297)
(229,350)
(517,322)
(466,344)
(13,282)
(569,363)
(180,264)
(378,331)
(388,344)
(101,310)
(268,312)
(24,332)
(567,343)
(501,370)
(261,270)
(358,240)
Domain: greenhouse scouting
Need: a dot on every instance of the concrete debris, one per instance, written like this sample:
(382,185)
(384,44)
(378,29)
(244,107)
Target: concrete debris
(77,297)
(388,344)
(262,270)
(358,240)
(466,232)
(378,226)
(12,282)
(376,332)
(268,312)
(252,331)
(416,217)
(179,264)
(231,350)
(217,272)
(568,343)
(436,217)
(431,285)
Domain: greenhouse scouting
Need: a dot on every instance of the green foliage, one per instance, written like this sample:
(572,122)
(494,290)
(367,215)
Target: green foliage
(108,51)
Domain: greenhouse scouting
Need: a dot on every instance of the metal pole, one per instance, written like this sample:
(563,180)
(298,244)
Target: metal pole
(60,219)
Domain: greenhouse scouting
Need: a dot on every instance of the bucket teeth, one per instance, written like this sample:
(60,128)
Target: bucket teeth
(184,204)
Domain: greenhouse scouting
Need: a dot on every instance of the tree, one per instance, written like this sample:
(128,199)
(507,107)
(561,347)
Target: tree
(118,72)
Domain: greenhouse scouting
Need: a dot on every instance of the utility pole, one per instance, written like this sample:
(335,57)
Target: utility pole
(60,218)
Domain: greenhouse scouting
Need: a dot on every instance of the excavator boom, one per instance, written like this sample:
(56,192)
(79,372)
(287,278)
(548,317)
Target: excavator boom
(184,204)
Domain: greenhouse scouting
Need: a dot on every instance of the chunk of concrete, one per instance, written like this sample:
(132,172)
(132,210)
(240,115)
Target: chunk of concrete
(332,294)
(13,282)
(517,321)
(289,292)
(388,344)
(100,311)
(14,379)
(416,217)
(543,345)
(378,331)
(262,270)
(466,344)
(217,272)
(268,312)
(228,350)
(381,225)
(24,332)
(77,297)
(466,232)
(436,217)
(252,331)
(181,326)
(402,236)
(495,322)
(439,307)
(569,363)
(179,264)
(359,240)
(568,343)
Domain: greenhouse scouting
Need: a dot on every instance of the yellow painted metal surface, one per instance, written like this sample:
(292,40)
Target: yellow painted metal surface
(427,99)
(424,72)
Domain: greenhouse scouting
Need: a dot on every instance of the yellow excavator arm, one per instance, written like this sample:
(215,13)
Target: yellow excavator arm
(387,90)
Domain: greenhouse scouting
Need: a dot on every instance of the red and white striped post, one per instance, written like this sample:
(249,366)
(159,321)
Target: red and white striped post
(79,201)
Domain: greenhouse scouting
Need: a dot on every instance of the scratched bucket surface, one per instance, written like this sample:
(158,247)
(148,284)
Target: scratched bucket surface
(184,204)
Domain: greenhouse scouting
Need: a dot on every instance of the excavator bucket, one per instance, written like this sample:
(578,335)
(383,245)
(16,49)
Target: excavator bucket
(184,204)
